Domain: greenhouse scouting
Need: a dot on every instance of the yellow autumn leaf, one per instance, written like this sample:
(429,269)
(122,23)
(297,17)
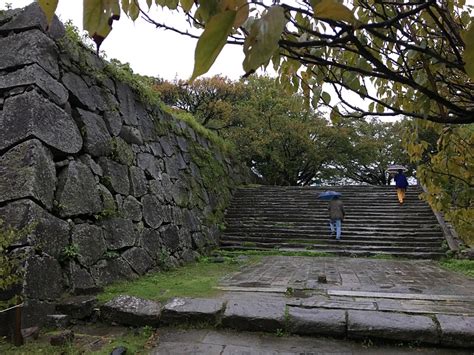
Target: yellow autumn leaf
(333,10)
(242,8)
(212,41)
(49,8)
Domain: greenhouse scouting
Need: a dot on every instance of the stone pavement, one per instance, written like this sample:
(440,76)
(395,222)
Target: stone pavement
(394,300)
(225,342)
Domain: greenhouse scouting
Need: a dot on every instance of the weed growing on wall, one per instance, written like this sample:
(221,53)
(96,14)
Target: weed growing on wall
(10,263)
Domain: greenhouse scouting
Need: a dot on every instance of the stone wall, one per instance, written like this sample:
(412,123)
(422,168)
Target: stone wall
(110,185)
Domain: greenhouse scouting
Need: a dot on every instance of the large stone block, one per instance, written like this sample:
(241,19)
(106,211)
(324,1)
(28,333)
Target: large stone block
(81,281)
(192,310)
(77,192)
(48,232)
(139,260)
(21,52)
(80,91)
(152,211)
(456,330)
(313,321)
(254,315)
(150,240)
(97,140)
(90,242)
(170,237)
(132,311)
(31,115)
(115,176)
(35,75)
(395,326)
(150,165)
(127,104)
(33,17)
(27,170)
(111,270)
(132,209)
(43,278)
(138,182)
(119,233)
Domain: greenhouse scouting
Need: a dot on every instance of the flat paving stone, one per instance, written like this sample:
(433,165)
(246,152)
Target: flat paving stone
(457,330)
(422,277)
(395,326)
(212,342)
(192,310)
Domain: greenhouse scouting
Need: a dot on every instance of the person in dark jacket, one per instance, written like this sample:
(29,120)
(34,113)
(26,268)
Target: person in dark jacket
(401,184)
(336,216)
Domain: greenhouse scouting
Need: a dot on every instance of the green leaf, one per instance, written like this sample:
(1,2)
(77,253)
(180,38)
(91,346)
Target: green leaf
(468,54)
(333,10)
(212,41)
(263,38)
(186,4)
(49,8)
(326,97)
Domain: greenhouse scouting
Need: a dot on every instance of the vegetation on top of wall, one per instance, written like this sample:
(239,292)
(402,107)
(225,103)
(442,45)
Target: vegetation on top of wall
(144,87)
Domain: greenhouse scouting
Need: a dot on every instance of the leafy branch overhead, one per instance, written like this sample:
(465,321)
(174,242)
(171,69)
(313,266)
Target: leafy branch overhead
(403,58)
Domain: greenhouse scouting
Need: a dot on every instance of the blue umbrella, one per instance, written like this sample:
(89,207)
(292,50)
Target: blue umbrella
(329,195)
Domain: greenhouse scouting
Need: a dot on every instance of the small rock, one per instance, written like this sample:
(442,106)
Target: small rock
(62,338)
(30,334)
(121,350)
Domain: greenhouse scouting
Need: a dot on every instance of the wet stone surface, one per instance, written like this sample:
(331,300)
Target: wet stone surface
(372,275)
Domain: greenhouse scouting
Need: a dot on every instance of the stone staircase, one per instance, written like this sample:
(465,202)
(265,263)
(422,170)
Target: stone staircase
(293,219)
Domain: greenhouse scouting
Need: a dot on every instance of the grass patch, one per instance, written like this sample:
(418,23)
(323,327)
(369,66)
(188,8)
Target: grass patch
(384,257)
(465,267)
(137,341)
(193,280)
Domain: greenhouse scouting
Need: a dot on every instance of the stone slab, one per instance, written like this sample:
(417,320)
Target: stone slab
(394,326)
(20,51)
(313,321)
(35,75)
(31,115)
(27,170)
(132,311)
(393,295)
(254,315)
(78,307)
(192,310)
(456,330)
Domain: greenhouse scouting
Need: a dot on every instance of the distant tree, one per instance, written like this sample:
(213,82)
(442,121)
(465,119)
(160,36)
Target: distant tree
(366,148)
(211,100)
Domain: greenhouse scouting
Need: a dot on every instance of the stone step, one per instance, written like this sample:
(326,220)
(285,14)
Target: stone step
(436,243)
(317,222)
(337,246)
(347,236)
(346,228)
(343,252)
